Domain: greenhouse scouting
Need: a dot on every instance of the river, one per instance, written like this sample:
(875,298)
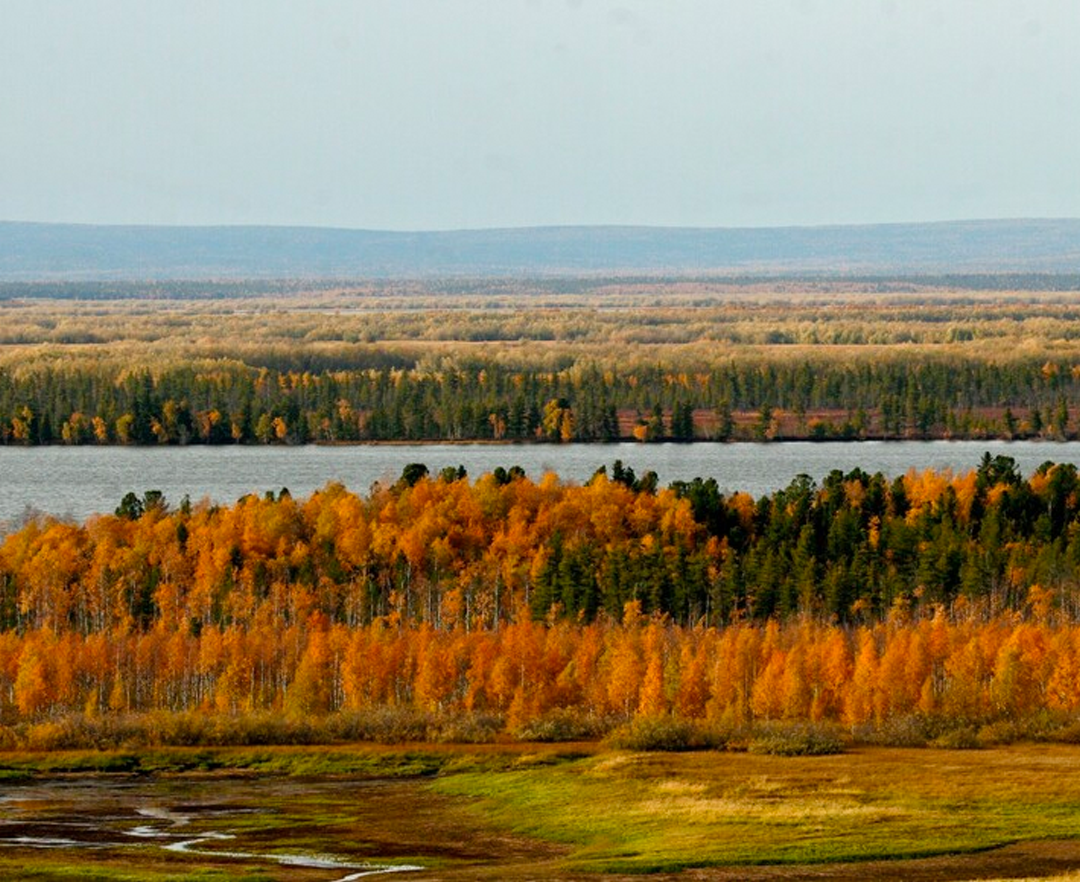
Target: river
(76,482)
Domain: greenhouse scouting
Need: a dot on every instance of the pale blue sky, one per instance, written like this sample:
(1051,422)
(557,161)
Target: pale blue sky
(445,114)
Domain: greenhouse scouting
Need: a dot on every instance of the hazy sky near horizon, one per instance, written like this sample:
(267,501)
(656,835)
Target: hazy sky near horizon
(447,114)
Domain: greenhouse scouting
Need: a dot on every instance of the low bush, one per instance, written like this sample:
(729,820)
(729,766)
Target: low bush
(263,729)
(178,729)
(399,724)
(1065,731)
(664,733)
(910,730)
(961,738)
(383,725)
(76,731)
(923,730)
(468,729)
(1010,731)
(564,724)
(8,739)
(796,739)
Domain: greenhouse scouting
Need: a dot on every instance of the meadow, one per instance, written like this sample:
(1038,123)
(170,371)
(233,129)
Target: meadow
(566,812)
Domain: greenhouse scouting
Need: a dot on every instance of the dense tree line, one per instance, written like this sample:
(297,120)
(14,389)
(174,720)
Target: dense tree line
(857,601)
(229,402)
(447,551)
(955,668)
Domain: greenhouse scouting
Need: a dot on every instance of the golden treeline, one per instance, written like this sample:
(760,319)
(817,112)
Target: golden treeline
(957,664)
(517,598)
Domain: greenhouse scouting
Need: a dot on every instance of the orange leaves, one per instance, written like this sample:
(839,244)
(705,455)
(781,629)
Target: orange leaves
(436,671)
(767,693)
(803,670)
(375,667)
(33,687)
(692,694)
(652,700)
(743,505)
(924,490)
(624,673)
(51,566)
(735,670)
(436,595)
(861,691)
(835,668)
(677,520)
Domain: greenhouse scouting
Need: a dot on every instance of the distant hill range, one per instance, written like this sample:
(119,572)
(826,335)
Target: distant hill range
(55,252)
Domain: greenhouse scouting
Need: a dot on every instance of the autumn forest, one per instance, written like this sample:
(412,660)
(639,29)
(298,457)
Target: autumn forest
(903,608)
(546,607)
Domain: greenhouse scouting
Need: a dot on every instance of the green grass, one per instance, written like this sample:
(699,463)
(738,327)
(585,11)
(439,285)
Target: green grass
(650,812)
(44,868)
(288,761)
(358,762)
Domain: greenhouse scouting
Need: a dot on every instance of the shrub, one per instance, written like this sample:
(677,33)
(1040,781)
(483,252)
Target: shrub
(8,739)
(910,730)
(1032,728)
(262,729)
(961,738)
(663,733)
(77,731)
(178,729)
(564,724)
(468,729)
(48,736)
(796,739)
(383,725)
(1063,732)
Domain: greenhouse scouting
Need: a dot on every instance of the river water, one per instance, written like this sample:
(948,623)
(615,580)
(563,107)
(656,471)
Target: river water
(79,481)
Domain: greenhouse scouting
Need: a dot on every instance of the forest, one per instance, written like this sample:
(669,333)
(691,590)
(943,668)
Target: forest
(546,609)
(617,360)
(461,606)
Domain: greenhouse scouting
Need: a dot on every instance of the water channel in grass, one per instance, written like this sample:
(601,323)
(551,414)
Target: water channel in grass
(79,481)
(325,830)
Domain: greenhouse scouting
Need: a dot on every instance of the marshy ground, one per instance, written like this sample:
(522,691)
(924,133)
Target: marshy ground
(541,812)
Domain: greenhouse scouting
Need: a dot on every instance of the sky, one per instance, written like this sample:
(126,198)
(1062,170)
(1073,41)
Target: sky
(453,114)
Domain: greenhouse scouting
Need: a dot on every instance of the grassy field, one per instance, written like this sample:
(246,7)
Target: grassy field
(535,812)
(659,813)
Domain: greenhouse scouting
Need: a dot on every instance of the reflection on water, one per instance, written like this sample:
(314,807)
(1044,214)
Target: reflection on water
(79,481)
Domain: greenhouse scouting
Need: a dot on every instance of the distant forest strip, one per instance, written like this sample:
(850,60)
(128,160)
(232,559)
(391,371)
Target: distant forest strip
(226,402)
(625,360)
(554,607)
(1012,284)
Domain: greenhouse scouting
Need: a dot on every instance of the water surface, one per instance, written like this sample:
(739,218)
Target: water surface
(79,481)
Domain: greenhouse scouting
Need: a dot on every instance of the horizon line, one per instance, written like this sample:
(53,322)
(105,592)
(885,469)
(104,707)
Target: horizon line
(541,227)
